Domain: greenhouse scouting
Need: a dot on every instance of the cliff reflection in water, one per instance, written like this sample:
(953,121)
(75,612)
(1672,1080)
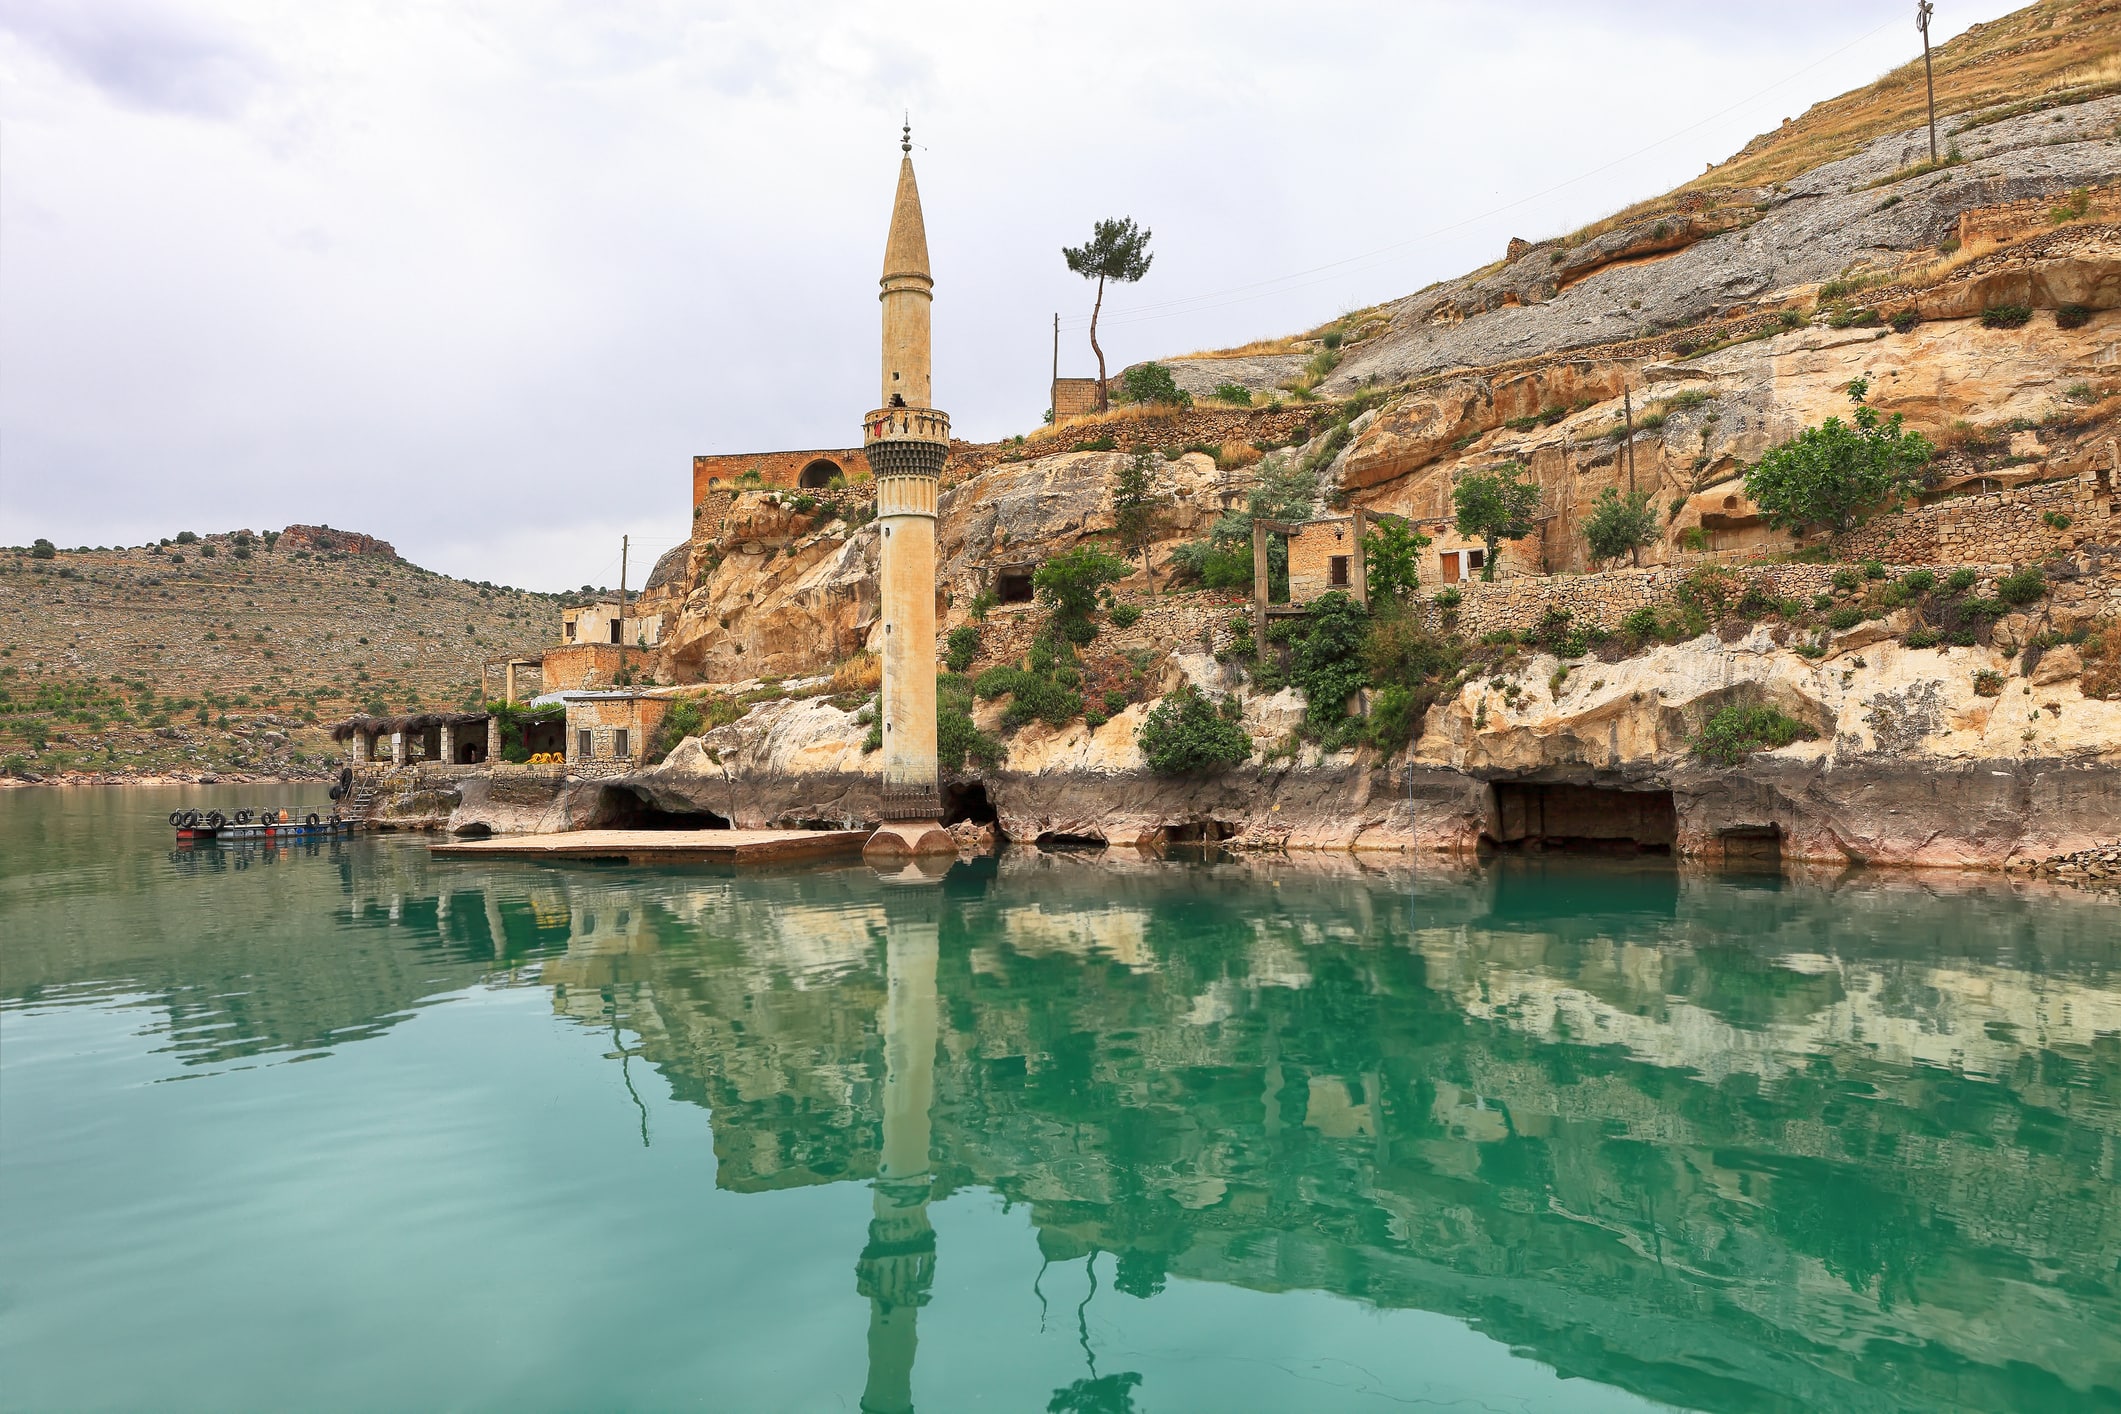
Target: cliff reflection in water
(1721,1144)
(1727,1143)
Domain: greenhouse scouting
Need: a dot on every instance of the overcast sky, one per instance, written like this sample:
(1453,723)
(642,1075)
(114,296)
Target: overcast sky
(480,277)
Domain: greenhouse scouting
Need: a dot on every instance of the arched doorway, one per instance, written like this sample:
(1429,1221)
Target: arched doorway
(818,475)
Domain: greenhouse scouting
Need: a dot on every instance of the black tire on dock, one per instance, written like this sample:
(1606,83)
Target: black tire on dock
(242,817)
(190,820)
(215,819)
(312,820)
(176,818)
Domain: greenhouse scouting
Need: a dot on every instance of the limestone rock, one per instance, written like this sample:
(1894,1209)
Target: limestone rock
(2058,664)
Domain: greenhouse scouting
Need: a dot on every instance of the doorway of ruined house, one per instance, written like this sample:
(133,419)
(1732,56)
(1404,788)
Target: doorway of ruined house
(1751,847)
(1539,817)
(818,475)
(1014,585)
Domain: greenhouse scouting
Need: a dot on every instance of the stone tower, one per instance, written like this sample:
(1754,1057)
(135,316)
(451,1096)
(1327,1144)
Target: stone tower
(906,441)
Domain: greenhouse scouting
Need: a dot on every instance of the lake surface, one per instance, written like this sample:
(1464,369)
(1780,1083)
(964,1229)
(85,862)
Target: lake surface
(342,1127)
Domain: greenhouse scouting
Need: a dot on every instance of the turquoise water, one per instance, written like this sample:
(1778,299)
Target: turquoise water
(341,1127)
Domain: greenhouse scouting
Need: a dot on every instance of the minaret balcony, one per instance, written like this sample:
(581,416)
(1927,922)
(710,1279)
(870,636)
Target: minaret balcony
(905,425)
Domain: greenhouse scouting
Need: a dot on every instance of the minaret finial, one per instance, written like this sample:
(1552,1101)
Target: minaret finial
(905,137)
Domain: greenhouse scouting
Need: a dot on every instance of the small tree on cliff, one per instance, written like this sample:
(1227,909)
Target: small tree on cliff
(1619,525)
(1831,474)
(1134,508)
(1391,558)
(1117,251)
(1496,505)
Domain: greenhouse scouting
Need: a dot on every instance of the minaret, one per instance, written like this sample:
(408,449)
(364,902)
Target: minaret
(906,441)
(897,1267)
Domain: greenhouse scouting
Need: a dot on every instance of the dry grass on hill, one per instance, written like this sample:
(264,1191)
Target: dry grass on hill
(124,660)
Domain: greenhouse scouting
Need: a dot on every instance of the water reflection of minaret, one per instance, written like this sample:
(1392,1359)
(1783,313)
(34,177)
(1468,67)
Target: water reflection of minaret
(897,1268)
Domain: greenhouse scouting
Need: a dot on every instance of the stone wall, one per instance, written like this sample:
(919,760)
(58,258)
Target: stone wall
(584,665)
(1167,621)
(1074,397)
(774,468)
(1998,527)
(1312,550)
(1606,599)
(604,718)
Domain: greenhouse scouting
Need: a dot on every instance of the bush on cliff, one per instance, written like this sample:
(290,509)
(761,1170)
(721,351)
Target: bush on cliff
(956,738)
(1069,583)
(963,648)
(1618,525)
(1151,383)
(1391,558)
(1737,731)
(1186,733)
(1832,474)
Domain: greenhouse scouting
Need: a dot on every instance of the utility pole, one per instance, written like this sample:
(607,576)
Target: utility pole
(625,543)
(1053,391)
(1627,408)
(1929,82)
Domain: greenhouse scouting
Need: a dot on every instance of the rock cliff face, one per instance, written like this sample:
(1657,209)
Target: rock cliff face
(1909,764)
(1748,248)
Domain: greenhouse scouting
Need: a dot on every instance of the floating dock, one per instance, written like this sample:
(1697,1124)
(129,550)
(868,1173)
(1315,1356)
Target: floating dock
(665,846)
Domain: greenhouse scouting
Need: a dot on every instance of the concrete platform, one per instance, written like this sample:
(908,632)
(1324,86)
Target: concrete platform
(665,846)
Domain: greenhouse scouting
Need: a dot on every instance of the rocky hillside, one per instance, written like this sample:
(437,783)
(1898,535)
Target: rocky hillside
(230,652)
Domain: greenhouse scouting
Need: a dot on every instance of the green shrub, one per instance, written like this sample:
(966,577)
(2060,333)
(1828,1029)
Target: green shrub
(1448,598)
(1872,569)
(1150,383)
(1822,602)
(2006,316)
(1988,683)
(956,738)
(964,644)
(1960,580)
(1233,393)
(2056,520)
(998,681)
(2025,587)
(1495,505)
(1847,581)
(1216,566)
(1845,617)
(1186,733)
(1105,443)
(1904,320)
(2073,316)
(1833,473)
(1618,525)
(1069,582)
(1643,624)
(1736,732)
(1125,615)
(1327,663)
(43,549)
(1391,558)
(983,604)
(1922,638)
(1917,582)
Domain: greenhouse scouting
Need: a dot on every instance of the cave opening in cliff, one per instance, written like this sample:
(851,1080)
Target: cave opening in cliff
(1198,832)
(1536,816)
(621,809)
(966,801)
(1054,840)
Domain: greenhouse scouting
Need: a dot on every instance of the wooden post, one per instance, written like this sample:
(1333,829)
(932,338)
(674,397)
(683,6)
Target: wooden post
(1362,565)
(1627,407)
(1259,584)
(624,541)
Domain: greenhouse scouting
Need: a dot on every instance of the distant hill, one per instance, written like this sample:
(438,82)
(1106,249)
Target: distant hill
(233,652)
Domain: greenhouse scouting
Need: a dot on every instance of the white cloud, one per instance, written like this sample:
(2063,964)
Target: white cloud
(481,277)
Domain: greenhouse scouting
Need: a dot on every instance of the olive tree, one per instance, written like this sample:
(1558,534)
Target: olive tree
(1496,505)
